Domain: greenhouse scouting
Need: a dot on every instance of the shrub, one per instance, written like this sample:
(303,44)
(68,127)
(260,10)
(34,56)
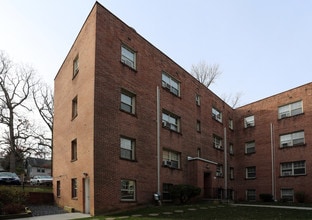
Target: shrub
(183,193)
(301,197)
(12,198)
(266,197)
(13,209)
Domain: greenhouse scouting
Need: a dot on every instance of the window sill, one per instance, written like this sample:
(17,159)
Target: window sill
(130,67)
(253,178)
(168,90)
(292,146)
(177,132)
(248,154)
(73,160)
(127,159)
(298,175)
(292,116)
(129,113)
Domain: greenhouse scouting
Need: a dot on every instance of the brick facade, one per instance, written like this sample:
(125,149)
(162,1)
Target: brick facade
(105,180)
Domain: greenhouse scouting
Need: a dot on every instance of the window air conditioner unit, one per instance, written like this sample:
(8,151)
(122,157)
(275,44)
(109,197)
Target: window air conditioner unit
(219,174)
(285,144)
(166,124)
(248,125)
(167,163)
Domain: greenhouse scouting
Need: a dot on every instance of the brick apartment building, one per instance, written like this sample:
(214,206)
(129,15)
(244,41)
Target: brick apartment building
(130,122)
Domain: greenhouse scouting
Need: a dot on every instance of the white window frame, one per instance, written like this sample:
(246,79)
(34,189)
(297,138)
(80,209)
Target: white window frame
(197,99)
(250,147)
(217,115)
(127,102)
(287,194)
(251,172)
(127,148)
(127,190)
(231,149)
(217,142)
(198,126)
(75,66)
(292,139)
(128,56)
(171,159)
(170,84)
(219,170)
(291,109)
(74,188)
(249,121)
(231,124)
(231,173)
(170,121)
(293,168)
(251,195)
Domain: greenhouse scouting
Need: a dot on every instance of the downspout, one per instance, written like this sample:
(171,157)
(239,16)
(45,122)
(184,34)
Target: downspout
(273,160)
(225,165)
(158,138)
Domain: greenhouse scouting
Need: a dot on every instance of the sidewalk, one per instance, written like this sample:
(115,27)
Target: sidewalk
(273,206)
(65,216)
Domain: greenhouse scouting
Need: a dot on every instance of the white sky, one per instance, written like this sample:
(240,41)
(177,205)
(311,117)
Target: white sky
(263,47)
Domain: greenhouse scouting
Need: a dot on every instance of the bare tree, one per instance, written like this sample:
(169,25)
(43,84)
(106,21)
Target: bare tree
(44,102)
(233,101)
(204,73)
(15,87)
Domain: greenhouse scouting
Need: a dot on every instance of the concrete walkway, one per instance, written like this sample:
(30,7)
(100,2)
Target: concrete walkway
(65,216)
(274,206)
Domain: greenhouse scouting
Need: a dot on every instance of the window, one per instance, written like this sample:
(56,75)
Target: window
(249,121)
(171,159)
(231,173)
(74,150)
(58,188)
(231,124)
(166,195)
(219,171)
(198,126)
(170,84)
(290,110)
(197,99)
(293,139)
(293,168)
(127,102)
(251,195)
(171,121)
(231,149)
(217,115)
(40,170)
(76,66)
(127,190)
(250,172)
(250,147)
(127,148)
(74,107)
(128,57)
(287,195)
(217,142)
(74,188)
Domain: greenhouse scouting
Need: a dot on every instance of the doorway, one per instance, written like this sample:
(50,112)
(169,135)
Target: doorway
(86,195)
(207,185)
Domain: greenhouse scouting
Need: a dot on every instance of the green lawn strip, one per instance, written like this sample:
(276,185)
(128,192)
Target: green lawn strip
(210,212)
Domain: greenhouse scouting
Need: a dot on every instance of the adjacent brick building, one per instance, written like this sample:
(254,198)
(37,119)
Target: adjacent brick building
(130,122)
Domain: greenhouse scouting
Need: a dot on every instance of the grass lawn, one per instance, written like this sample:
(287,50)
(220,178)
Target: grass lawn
(209,211)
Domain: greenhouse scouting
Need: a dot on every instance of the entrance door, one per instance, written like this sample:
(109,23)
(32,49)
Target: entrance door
(87,195)
(207,185)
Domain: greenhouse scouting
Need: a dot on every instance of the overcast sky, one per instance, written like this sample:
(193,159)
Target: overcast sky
(263,47)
